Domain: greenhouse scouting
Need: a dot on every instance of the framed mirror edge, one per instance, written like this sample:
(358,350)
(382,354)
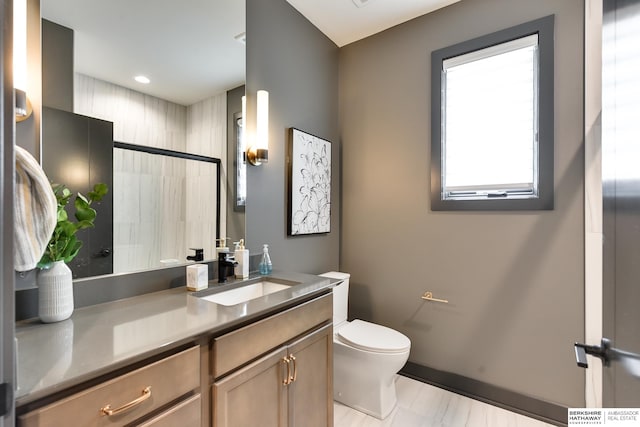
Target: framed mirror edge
(26,281)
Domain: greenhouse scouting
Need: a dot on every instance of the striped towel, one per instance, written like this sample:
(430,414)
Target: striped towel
(34,211)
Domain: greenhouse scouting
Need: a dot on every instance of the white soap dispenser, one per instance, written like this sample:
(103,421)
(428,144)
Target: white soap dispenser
(222,246)
(241,256)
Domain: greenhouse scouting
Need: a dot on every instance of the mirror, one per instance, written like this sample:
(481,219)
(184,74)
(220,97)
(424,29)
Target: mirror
(193,53)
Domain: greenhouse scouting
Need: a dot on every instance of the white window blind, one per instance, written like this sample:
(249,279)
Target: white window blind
(490,126)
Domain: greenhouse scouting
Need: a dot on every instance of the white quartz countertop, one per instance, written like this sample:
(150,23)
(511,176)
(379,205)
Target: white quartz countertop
(102,338)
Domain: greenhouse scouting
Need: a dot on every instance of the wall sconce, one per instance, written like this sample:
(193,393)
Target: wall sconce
(23,107)
(258,153)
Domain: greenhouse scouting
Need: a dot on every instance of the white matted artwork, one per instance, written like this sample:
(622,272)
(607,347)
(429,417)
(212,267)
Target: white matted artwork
(309,184)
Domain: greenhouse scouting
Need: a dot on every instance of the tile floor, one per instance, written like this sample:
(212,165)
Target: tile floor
(423,405)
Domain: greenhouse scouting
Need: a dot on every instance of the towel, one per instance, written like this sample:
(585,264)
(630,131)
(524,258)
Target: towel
(34,212)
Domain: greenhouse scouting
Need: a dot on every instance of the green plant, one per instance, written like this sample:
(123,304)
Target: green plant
(64,245)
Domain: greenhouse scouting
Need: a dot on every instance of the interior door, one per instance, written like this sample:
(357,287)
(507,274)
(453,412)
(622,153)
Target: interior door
(621,203)
(7,168)
(620,149)
(78,152)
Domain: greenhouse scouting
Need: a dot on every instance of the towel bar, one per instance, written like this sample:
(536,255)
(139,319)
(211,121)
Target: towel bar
(429,297)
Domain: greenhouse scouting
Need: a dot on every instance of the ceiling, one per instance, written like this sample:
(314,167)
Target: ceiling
(188,48)
(344,22)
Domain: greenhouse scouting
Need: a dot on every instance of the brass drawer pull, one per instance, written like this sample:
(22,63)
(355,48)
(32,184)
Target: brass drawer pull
(146,393)
(290,374)
(287,371)
(295,369)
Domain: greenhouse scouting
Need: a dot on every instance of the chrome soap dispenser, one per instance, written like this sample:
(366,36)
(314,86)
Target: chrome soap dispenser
(265,266)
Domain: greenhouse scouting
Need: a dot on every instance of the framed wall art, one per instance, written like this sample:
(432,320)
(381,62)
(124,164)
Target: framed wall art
(309,184)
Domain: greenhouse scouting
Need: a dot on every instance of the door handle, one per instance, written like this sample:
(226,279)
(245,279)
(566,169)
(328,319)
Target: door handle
(103,253)
(603,351)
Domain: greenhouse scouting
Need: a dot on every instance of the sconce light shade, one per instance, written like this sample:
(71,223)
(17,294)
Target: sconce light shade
(262,123)
(22,105)
(259,152)
(244,108)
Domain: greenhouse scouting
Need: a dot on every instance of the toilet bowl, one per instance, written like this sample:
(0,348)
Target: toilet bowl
(366,357)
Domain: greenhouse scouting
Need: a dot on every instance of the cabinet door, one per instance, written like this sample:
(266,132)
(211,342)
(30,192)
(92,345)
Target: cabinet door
(254,395)
(311,392)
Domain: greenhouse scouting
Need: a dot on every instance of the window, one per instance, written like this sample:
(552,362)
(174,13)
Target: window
(492,121)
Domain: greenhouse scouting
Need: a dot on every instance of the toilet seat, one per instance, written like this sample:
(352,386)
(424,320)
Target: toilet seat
(372,337)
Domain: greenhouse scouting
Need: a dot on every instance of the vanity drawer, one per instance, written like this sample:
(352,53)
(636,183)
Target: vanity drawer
(245,344)
(184,414)
(166,379)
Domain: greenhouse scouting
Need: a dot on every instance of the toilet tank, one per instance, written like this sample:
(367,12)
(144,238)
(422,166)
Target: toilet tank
(340,295)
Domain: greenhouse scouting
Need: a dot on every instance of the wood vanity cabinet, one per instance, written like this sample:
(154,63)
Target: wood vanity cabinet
(276,371)
(163,393)
(290,383)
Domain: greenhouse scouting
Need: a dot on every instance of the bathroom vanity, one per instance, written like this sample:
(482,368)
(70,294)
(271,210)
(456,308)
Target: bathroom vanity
(290,382)
(175,358)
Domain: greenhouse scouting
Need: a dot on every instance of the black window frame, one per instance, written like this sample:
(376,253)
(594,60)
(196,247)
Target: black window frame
(544,28)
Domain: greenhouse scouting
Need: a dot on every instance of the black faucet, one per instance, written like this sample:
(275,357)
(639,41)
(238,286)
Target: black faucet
(225,261)
(199,256)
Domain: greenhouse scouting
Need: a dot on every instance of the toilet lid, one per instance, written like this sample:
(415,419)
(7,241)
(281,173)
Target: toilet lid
(371,337)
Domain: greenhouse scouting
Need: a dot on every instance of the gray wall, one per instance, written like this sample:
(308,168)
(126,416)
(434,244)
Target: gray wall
(298,65)
(514,279)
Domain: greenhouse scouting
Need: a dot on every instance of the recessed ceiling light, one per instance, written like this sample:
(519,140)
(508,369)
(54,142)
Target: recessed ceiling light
(361,3)
(142,79)
(242,38)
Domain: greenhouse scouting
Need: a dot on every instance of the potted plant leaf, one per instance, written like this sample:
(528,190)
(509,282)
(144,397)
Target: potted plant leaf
(55,287)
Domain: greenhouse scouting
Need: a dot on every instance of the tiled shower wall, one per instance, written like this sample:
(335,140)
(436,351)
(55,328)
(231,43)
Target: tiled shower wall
(206,135)
(148,228)
(137,118)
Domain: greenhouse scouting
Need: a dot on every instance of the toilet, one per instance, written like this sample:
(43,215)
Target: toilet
(366,357)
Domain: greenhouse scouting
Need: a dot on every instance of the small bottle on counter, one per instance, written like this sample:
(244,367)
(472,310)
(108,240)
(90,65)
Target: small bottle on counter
(265,265)
(241,256)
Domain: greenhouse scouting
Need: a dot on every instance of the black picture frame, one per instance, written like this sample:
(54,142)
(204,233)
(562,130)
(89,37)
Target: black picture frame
(309,178)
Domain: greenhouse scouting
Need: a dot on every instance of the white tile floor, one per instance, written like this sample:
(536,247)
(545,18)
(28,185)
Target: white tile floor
(423,405)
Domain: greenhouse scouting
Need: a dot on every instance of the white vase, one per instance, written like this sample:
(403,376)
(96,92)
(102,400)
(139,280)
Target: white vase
(55,293)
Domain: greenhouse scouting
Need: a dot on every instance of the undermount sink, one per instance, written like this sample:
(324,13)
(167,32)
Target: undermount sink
(246,293)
